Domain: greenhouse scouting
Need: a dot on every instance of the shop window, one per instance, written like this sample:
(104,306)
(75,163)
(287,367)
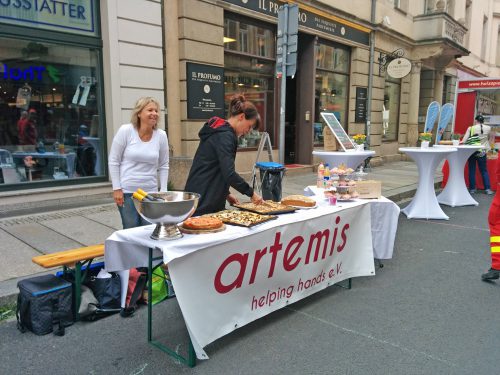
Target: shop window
(49,112)
(390,109)
(249,65)
(331,88)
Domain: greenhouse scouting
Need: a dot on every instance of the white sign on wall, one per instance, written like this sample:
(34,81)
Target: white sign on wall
(399,68)
(71,16)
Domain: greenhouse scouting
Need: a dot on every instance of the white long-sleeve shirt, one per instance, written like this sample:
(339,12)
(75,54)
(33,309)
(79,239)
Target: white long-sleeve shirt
(135,164)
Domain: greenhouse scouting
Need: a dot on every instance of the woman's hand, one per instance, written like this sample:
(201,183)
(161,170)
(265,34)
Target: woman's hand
(118,197)
(256,198)
(232,199)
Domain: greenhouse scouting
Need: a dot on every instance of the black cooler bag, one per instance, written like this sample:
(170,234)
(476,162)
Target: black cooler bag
(44,301)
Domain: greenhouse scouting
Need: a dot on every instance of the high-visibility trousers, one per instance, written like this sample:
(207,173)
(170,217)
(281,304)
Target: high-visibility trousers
(494,221)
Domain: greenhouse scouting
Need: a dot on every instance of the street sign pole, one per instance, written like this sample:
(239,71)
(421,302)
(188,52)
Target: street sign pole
(283,28)
(286,60)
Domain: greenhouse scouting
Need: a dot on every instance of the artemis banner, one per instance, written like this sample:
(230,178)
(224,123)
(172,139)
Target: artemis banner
(225,287)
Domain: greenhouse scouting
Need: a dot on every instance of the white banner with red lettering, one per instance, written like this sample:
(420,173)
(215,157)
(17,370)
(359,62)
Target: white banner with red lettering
(224,287)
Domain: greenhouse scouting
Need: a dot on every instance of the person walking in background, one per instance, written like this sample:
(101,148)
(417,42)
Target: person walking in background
(139,158)
(26,128)
(213,170)
(494,223)
(485,137)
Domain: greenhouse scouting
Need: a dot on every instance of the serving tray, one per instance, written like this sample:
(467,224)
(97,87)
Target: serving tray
(242,218)
(266,208)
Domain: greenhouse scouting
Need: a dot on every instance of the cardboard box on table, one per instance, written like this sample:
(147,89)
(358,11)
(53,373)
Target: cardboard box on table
(329,140)
(369,189)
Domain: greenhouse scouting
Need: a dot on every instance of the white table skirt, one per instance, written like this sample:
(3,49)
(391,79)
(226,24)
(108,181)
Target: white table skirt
(226,280)
(384,221)
(351,159)
(424,204)
(455,192)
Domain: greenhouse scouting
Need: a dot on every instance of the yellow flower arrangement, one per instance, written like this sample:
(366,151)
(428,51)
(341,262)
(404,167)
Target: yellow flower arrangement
(425,136)
(359,138)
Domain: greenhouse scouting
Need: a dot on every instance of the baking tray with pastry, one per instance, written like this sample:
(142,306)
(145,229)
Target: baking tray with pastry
(242,218)
(266,208)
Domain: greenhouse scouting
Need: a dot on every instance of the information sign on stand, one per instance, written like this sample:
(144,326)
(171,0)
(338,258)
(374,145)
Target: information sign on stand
(338,131)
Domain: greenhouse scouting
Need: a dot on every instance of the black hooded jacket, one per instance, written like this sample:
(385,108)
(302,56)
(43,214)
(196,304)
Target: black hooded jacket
(213,172)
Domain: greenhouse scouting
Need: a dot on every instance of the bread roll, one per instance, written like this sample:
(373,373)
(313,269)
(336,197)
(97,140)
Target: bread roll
(299,201)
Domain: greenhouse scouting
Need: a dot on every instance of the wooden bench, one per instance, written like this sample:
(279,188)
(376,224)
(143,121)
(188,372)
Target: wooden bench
(76,258)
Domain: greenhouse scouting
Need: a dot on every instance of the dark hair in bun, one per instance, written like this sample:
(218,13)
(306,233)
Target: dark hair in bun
(480,118)
(239,105)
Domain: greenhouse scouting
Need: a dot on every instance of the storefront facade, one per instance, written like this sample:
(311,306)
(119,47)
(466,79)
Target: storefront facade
(240,39)
(70,73)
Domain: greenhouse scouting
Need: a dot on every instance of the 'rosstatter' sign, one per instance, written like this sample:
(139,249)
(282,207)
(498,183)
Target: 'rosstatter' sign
(205,91)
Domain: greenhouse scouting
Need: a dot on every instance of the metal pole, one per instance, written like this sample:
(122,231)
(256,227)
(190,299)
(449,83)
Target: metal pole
(368,125)
(283,88)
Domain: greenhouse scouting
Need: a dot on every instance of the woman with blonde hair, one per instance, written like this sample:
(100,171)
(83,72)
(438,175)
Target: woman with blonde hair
(139,158)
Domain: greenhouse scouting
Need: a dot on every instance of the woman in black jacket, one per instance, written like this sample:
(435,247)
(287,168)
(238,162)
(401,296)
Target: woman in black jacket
(213,170)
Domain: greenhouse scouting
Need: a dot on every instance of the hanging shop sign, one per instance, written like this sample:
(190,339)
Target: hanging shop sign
(399,68)
(205,91)
(311,18)
(71,16)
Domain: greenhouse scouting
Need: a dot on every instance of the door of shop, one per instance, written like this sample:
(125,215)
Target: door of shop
(300,105)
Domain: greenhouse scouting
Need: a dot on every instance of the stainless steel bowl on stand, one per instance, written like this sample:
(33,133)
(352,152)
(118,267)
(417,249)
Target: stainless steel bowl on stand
(176,207)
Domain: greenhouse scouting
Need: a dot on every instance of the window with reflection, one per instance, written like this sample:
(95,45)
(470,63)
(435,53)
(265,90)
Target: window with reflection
(390,108)
(49,112)
(331,87)
(249,65)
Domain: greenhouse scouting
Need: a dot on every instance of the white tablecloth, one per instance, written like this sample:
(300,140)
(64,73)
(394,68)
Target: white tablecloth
(351,159)
(455,192)
(225,280)
(424,204)
(384,221)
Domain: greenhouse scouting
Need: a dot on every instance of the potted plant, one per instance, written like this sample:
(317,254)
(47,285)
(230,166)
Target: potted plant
(425,138)
(455,138)
(359,139)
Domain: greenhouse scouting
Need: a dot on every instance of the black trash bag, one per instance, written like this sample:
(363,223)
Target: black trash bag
(271,178)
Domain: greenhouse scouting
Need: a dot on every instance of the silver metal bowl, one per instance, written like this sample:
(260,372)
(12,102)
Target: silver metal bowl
(176,207)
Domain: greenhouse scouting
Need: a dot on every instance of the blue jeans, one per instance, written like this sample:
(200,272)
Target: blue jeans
(130,216)
(481,161)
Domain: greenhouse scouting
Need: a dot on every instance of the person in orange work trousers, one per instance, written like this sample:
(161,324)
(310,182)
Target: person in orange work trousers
(494,222)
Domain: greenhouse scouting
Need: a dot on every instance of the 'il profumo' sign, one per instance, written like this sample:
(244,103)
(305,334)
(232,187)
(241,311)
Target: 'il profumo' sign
(399,68)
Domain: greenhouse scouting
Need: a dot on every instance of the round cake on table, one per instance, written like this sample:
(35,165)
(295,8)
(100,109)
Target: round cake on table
(202,223)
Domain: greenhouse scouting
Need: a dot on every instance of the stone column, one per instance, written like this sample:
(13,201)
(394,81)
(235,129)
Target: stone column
(438,85)
(171,36)
(414,103)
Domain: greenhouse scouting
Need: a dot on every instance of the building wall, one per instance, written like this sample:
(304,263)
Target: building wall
(133,57)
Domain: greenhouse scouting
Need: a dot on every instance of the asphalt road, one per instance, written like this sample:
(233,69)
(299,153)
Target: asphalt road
(425,312)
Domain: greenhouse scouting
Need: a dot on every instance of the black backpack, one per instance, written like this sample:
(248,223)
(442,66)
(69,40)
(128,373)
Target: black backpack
(44,302)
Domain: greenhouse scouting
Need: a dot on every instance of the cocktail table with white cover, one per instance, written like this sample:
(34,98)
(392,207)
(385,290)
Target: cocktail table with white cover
(424,204)
(455,192)
(352,159)
(227,279)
